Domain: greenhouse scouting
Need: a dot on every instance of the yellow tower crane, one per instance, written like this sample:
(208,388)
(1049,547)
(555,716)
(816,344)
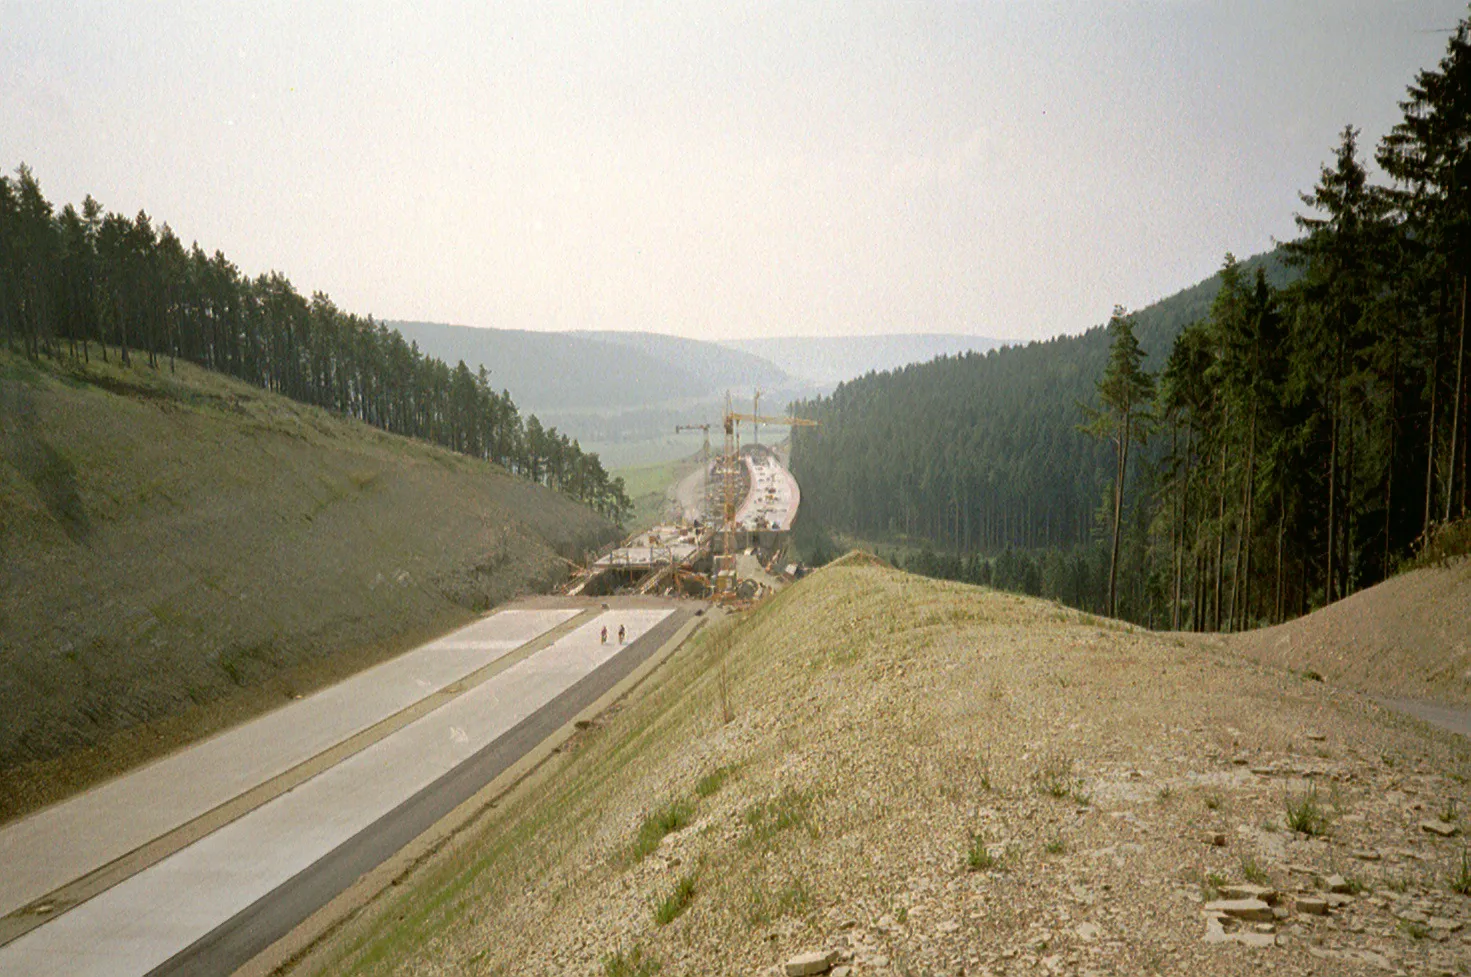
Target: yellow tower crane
(729,462)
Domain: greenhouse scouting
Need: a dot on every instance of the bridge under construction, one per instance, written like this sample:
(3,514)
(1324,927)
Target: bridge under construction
(732,513)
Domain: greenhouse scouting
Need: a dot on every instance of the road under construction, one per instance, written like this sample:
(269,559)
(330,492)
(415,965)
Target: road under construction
(727,527)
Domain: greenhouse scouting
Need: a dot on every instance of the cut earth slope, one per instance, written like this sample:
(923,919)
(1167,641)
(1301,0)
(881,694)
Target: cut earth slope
(1409,636)
(914,776)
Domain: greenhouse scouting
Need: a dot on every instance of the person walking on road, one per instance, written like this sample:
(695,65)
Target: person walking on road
(605,634)
(620,634)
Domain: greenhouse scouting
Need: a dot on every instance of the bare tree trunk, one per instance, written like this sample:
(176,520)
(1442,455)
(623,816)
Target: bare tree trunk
(1245,575)
(1277,608)
(1430,431)
(1333,484)
(1118,511)
(1180,532)
(1450,488)
(1389,466)
(1220,543)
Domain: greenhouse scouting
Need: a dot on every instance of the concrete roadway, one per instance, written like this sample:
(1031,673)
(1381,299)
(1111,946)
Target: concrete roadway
(210,906)
(85,833)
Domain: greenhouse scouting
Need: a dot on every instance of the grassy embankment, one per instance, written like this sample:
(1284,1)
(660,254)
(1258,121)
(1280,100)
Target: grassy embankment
(180,551)
(924,772)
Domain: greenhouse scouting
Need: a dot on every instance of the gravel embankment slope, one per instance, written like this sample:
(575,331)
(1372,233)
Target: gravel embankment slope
(1407,637)
(1110,783)
(182,551)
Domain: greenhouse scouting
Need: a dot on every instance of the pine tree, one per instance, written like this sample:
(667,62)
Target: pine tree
(1125,393)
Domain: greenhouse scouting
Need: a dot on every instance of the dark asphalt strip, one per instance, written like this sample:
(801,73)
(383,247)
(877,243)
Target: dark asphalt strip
(234,942)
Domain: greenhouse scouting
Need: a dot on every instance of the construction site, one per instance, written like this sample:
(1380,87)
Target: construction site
(727,525)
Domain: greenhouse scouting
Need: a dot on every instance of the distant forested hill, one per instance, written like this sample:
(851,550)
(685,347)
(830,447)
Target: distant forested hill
(825,360)
(557,372)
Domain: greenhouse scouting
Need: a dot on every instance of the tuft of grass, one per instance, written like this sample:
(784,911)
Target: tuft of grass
(978,857)
(1443,545)
(1306,814)
(633,964)
(722,686)
(1450,814)
(1415,931)
(1056,845)
(1055,775)
(1210,885)
(668,909)
(789,810)
(1166,794)
(1253,872)
(983,772)
(712,781)
(1461,881)
(792,899)
(666,820)
(1212,801)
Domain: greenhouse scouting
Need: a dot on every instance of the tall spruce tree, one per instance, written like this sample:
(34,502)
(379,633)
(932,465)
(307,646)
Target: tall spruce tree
(1124,417)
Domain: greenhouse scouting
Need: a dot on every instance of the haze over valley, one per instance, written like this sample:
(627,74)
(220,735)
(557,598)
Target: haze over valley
(630,490)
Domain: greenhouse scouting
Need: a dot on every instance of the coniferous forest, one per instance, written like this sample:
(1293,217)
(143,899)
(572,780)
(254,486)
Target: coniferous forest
(1298,440)
(78,284)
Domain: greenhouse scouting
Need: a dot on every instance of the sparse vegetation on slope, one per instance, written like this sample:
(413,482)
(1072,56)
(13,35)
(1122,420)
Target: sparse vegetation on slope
(873,705)
(181,550)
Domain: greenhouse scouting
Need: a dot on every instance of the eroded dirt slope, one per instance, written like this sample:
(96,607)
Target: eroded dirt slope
(920,777)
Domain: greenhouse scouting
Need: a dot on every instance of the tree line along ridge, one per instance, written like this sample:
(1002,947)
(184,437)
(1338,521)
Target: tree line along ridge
(75,279)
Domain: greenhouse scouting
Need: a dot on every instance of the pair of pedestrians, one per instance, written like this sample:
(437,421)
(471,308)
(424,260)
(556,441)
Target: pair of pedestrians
(620,634)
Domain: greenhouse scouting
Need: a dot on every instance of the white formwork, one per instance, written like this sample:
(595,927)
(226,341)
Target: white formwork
(64,842)
(143,921)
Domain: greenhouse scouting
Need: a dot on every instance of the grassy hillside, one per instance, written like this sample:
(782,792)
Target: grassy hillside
(179,550)
(926,778)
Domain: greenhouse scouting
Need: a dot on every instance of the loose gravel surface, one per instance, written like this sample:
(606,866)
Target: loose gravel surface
(1408,637)
(905,776)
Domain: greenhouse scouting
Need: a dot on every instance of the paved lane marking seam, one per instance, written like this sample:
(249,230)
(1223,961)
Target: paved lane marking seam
(56,903)
(312,933)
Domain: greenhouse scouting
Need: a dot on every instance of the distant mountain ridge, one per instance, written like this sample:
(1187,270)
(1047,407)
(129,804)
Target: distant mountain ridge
(830,360)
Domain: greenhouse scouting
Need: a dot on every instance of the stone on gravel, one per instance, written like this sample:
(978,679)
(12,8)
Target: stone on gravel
(1245,890)
(1337,883)
(1251,910)
(816,962)
(1440,828)
(1312,905)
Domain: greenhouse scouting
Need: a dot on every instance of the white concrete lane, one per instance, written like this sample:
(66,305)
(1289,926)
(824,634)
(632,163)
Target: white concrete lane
(774,496)
(59,844)
(143,921)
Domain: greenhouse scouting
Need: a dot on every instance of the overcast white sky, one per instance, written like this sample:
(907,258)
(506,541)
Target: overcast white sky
(713,170)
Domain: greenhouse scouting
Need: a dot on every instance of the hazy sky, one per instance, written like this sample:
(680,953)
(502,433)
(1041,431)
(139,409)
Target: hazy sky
(723,170)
